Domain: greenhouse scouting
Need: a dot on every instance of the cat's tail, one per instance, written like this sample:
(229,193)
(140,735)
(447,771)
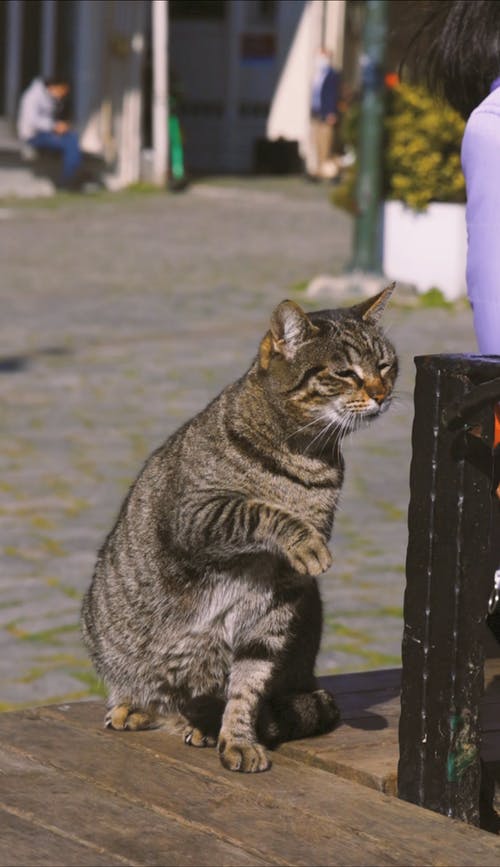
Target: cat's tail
(297,715)
(282,718)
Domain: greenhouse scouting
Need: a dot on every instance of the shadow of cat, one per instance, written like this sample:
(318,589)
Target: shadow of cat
(356,695)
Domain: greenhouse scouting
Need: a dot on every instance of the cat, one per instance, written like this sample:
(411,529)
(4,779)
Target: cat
(204,609)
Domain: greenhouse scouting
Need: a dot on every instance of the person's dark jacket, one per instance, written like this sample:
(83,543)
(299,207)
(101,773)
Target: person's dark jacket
(329,95)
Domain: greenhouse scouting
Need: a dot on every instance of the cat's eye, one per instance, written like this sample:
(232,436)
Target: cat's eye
(314,371)
(349,374)
(384,368)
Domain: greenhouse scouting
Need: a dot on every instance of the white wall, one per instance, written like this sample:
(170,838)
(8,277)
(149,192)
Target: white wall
(289,114)
(108,83)
(231,101)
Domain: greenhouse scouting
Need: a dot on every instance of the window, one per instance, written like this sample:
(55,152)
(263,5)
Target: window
(202,9)
(266,10)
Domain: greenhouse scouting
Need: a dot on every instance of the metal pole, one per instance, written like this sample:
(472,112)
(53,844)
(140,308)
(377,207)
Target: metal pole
(48,36)
(13,58)
(235,25)
(367,238)
(160,91)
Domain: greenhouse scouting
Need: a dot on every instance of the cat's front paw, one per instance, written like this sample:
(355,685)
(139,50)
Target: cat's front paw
(193,737)
(310,556)
(239,755)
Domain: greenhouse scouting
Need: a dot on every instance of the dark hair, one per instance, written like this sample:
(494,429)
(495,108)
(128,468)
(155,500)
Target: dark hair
(50,80)
(456,50)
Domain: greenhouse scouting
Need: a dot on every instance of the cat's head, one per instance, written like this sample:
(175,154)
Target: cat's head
(332,367)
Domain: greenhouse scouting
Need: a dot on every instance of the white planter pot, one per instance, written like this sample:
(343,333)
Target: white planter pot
(427,249)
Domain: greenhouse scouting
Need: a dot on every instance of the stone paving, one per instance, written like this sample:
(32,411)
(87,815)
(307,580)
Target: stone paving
(122,316)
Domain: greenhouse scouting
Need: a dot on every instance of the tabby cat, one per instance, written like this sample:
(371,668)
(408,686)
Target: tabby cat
(204,607)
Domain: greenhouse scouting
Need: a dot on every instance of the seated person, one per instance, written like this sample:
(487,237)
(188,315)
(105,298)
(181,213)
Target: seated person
(38,126)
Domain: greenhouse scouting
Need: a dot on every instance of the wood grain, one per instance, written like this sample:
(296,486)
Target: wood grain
(146,798)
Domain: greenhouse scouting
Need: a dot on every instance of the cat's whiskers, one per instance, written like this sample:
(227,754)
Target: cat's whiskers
(400,398)
(327,431)
(300,429)
(341,427)
(334,425)
(343,430)
(389,328)
(349,423)
(323,430)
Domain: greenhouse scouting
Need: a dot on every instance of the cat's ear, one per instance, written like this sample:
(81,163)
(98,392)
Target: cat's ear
(289,328)
(371,310)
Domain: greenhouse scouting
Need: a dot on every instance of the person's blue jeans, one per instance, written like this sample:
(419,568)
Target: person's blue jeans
(67,145)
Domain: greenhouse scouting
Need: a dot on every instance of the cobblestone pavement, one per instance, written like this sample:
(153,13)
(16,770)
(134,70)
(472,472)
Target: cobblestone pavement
(121,316)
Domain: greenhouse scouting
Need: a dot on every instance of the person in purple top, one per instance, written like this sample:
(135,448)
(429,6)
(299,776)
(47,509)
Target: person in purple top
(458,52)
(481,166)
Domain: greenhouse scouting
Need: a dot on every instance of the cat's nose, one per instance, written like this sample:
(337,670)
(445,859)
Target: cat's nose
(377,392)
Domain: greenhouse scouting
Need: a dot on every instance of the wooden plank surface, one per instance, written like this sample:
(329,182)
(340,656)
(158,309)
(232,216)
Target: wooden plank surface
(74,793)
(24,841)
(107,821)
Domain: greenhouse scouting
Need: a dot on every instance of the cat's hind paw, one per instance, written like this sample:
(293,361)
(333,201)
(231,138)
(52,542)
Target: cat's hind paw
(238,755)
(193,737)
(123,717)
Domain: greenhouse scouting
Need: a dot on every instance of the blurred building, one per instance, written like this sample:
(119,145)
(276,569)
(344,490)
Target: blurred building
(99,46)
(244,70)
(240,71)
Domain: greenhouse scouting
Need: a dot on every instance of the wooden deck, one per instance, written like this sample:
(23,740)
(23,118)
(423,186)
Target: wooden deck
(72,793)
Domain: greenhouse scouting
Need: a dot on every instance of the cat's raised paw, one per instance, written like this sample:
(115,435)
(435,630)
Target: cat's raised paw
(248,758)
(124,717)
(310,556)
(195,738)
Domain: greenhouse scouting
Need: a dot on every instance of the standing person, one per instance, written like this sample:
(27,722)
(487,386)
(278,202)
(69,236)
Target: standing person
(458,51)
(38,126)
(324,110)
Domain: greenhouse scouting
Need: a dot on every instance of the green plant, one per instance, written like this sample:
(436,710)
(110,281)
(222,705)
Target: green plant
(421,151)
(434,298)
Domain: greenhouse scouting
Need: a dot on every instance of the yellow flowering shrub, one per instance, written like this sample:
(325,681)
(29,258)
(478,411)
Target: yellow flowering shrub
(421,151)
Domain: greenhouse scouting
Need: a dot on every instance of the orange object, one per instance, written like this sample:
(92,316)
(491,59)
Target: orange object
(496,439)
(391,79)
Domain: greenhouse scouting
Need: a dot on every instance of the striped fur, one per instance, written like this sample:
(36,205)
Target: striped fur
(204,611)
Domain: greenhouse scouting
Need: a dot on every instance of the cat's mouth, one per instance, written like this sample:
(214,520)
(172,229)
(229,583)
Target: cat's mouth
(358,416)
(374,410)
(334,423)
